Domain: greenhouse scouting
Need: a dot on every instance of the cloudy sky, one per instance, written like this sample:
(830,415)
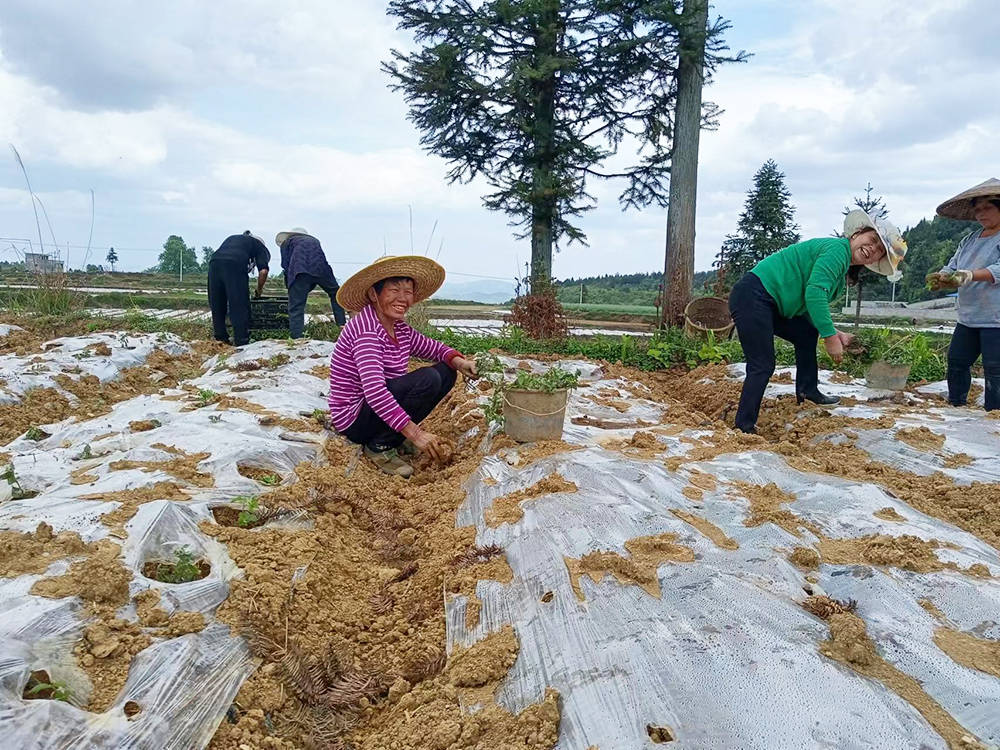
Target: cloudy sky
(202,119)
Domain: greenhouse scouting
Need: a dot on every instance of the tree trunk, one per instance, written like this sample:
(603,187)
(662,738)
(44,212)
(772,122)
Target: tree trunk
(543,203)
(678,270)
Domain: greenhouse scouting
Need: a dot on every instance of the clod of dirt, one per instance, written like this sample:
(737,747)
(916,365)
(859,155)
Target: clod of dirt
(646,553)
(659,734)
(970,651)
(484,661)
(266,477)
(34,552)
(921,438)
(804,557)
(183,466)
(131,709)
(708,529)
(765,507)
(906,552)
(100,578)
(144,425)
(507,508)
(824,607)
(547,597)
(888,513)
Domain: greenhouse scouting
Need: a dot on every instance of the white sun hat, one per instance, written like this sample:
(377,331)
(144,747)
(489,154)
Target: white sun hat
(282,236)
(895,245)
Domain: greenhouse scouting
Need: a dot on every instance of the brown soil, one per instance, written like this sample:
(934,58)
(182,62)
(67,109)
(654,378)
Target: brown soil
(485,661)
(375,564)
(906,552)
(702,480)
(932,608)
(888,514)
(320,371)
(805,557)
(765,507)
(160,570)
(47,405)
(266,417)
(144,425)
(131,500)
(957,460)
(184,467)
(105,653)
(98,579)
(782,377)
(34,552)
(264,476)
(646,553)
(465,578)
(707,529)
(849,644)
(969,651)
(507,508)
(921,438)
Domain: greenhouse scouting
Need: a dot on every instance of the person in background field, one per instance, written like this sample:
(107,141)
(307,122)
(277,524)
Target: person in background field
(788,294)
(305,267)
(975,271)
(374,401)
(228,267)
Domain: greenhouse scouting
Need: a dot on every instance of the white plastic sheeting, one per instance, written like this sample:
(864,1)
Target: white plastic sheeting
(183,686)
(726,657)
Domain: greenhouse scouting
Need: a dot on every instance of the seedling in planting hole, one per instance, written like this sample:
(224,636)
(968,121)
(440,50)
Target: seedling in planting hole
(36,434)
(278,360)
(269,480)
(84,454)
(215,418)
(205,396)
(248,515)
(59,691)
(182,570)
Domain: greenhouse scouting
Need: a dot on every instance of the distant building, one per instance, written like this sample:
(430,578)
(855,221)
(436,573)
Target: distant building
(42,263)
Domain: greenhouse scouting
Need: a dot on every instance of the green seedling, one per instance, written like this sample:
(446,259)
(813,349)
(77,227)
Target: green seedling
(205,397)
(278,360)
(491,368)
(269,480)
(35,433)
(215,418)
(248,514)
(59,691)
(84,454)
(182,570)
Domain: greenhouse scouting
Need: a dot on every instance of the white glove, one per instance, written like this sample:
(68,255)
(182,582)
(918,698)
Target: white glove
(962,277)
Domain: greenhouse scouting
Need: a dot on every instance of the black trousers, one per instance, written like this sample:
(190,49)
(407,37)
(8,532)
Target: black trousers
(757,323)
(966,346)
(298,293)
(228,289)
(418,392)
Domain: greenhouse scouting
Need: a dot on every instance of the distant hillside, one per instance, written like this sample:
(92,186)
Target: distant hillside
(486,290)
(623,289)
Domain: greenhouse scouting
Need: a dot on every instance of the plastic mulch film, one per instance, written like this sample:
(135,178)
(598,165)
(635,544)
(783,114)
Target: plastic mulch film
(725,656)
(201,439)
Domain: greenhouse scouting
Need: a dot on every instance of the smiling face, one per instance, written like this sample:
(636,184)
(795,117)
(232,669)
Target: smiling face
(394,298)
(866,248)
(987,213)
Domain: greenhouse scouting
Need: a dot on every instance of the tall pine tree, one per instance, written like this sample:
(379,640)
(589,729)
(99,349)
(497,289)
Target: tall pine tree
(536,96)
(766,225)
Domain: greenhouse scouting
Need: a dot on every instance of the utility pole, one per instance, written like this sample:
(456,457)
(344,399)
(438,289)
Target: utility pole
(678,272)
(180,263)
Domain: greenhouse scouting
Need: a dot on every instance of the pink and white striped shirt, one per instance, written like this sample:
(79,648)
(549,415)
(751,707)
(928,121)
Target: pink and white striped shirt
(364,357)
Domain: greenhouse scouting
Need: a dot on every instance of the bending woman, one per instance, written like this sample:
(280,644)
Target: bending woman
(975,271)
(788,294)
(374,401)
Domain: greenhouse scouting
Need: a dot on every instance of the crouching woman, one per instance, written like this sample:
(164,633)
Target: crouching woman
(374,401)
(788,294)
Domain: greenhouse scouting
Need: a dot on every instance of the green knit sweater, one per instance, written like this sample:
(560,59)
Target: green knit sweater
(806,277)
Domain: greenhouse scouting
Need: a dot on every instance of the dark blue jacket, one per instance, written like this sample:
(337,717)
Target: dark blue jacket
(301,253)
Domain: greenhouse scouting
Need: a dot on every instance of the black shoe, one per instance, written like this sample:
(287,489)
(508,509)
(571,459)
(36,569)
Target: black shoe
(817,398)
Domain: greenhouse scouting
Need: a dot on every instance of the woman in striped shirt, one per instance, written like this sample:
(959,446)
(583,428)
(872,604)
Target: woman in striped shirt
(374,401)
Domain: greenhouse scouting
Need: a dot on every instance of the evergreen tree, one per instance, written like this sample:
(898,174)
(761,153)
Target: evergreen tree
(535,96)
(175,251)
(112,258)
(766,225)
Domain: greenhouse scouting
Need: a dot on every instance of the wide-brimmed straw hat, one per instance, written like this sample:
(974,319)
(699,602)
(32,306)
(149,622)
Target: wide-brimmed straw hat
(427,276)
(280,238)
(960,207)
(895,245)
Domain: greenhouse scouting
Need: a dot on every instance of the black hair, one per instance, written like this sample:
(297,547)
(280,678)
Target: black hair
(988,199)
(377,286)
(854,275)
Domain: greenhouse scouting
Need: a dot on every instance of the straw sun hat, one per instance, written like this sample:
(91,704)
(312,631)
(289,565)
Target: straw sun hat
(427,277)
(895,245)
(960,207)
(279,240)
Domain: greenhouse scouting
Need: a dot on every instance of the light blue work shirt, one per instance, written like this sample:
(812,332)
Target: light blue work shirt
(978,301)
